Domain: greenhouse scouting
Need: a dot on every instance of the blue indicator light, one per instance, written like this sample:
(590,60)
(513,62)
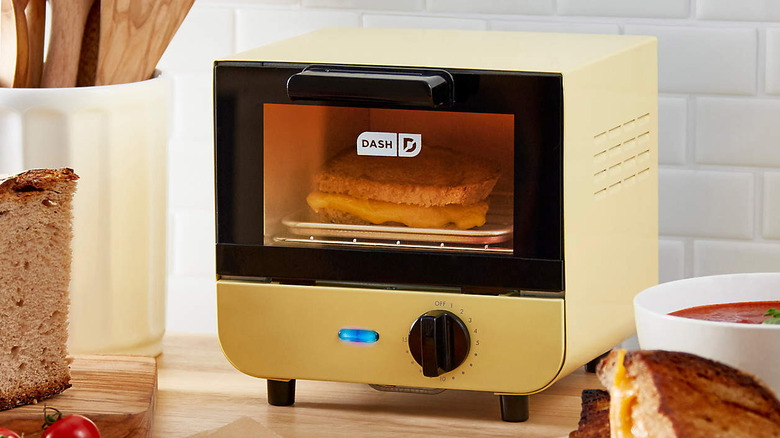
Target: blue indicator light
(358,335)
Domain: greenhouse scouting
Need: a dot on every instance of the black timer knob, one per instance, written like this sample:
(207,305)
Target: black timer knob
(439,341)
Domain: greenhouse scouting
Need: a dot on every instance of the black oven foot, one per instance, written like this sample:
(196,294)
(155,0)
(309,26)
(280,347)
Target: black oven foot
(590,367)
(514,408)
(281,392)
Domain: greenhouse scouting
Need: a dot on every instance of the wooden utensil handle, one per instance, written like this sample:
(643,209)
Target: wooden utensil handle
(67,28)
(13,56)
(89,48)
(36,25)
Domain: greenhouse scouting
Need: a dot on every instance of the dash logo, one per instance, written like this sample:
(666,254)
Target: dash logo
(389,144)
(409,145)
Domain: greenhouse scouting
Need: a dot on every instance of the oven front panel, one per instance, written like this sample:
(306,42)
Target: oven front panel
(351,178)
(515,345)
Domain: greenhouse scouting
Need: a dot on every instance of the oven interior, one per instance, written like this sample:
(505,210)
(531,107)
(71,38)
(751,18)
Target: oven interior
(301,140)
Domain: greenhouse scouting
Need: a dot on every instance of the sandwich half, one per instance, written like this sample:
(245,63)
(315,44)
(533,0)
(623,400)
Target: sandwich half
(660,394)
(439,188)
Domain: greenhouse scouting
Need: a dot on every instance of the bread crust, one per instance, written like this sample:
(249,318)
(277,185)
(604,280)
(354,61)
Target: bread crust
(683,395)
(436,177)
(35,180)
(35,395)
(594,418)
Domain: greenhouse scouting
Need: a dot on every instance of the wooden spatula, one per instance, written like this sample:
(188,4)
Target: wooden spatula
(133,36)
(36,25)
(67,28)
(13,44)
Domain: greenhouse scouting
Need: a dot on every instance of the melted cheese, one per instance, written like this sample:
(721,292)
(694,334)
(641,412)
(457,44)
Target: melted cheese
(623,399)
(378,212)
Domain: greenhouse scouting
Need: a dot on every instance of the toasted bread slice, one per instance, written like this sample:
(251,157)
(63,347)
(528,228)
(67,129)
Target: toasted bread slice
(671,394)
(436,177)
(594,418)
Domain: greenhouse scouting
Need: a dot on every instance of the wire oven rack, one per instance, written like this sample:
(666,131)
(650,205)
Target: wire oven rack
(494,237)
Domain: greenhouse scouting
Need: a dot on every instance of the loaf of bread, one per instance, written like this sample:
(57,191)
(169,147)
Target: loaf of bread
(35,257)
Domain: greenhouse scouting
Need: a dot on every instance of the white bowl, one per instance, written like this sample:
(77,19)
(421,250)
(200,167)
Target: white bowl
(754,348)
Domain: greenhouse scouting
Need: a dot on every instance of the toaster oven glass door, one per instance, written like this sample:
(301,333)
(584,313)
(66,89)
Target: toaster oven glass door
(387,175)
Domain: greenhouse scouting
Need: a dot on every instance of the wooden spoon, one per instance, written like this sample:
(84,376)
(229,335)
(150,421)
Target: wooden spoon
(13,44)
(67,27)
(36,26)
(133,36)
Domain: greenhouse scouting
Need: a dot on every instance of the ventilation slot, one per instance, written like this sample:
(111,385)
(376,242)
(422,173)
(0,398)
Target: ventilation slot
(621,156)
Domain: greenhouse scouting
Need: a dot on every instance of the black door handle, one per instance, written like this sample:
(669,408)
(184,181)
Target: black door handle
(414,87)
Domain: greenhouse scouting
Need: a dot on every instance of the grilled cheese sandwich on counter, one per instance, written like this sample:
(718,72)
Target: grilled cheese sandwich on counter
(439,188)
(622,406)
(662,394)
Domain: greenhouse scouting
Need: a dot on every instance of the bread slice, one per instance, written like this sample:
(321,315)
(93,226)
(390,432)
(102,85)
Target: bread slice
(35,256)
(436,177)
(594,418)
(672,394)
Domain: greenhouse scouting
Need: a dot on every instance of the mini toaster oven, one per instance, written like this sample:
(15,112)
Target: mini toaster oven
(420,209)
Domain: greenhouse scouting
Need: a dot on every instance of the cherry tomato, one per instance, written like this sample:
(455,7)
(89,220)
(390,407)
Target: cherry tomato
(8,433)
(72,426)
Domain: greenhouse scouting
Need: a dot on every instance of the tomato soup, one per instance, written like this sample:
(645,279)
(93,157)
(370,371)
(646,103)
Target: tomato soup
(748,312)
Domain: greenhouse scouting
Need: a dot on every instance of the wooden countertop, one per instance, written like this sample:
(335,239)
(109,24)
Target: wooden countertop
(198,390)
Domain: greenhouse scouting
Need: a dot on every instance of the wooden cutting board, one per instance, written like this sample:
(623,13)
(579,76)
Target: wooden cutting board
(117,392)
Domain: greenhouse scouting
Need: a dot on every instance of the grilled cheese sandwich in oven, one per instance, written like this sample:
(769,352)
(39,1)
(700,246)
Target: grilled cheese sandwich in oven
(439,188)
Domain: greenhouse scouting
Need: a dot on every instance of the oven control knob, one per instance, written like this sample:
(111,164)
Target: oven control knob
(439,341)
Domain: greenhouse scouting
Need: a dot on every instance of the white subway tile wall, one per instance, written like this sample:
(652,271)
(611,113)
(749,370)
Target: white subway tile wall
(704,60)
(711,257)
(771,218)
(508,7)
(205,35)
(255,27)
(191,93)
(190,180)
(671,260)
(748,10)
(191,305)
(412,22)
(772,74)
(705,203)
(672,129)
(191,233)
(719,117)
(626,8)
(742,132)
(389,5)
(554,26)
